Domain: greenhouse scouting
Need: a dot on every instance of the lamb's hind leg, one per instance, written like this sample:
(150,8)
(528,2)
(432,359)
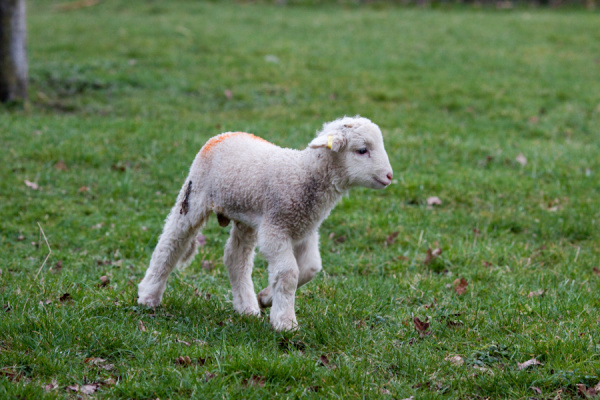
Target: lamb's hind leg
(309,264)
(239,260)
(175,242)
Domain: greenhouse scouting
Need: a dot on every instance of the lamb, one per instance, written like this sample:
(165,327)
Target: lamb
(277,198)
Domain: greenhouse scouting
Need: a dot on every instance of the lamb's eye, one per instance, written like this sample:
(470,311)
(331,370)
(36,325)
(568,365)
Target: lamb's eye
(362,151)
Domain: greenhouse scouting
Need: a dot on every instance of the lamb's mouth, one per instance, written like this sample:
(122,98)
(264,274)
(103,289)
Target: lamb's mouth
(384,184)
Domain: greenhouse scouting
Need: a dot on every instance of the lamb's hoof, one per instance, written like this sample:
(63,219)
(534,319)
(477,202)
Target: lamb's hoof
(150,301)
(252,311)
(285,325)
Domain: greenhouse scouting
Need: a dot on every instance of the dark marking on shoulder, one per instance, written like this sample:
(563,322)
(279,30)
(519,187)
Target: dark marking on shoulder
(223,220)
(185,204)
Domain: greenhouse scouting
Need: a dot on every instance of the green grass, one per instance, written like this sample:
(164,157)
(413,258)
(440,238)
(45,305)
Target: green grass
(125,93)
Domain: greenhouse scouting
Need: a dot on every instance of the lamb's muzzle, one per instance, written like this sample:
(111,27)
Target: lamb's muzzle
(277,199)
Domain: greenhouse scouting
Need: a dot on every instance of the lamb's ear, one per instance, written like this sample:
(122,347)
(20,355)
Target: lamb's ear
(333,141)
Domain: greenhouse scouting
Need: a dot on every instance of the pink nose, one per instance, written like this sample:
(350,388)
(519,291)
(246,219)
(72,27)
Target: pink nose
(390,176)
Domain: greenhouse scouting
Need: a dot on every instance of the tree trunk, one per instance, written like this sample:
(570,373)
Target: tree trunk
(13,57)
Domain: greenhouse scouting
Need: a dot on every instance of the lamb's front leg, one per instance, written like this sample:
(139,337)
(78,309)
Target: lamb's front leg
(283,279)
(309,264)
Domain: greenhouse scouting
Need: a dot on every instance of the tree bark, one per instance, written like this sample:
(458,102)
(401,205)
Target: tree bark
(13,55)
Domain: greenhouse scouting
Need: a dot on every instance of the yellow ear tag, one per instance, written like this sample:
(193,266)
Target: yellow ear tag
(329,141)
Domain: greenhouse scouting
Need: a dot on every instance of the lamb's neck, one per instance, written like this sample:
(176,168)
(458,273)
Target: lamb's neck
(321,168)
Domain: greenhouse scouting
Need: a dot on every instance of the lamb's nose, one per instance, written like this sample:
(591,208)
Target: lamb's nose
(390,176)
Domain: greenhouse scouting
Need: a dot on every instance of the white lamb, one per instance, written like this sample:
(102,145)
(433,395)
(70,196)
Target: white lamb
(277,199)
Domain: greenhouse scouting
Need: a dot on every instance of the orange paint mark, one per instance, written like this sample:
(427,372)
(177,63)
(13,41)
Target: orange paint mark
(218,139)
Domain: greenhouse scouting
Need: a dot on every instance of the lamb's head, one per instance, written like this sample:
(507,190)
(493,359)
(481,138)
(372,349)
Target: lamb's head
(356,144)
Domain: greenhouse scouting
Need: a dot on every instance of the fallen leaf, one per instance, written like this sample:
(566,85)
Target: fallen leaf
(456,360)
(31,185)
(384,391)
(460,286)
(208,376)
(521,159)
(254,380)
(528,363)
(324,362)
(61,166)
(596,271)
(314,388)
(20,238)
(536,389)
(534,119)
(228,94)
(104,281)
(141,326)
(586,392)
(391,238)
(409,398)
(201,239)
(434,201)
(51,386)
(431,255)
(85,389)
(421,327)
(536,293)
(94,360)
(89,389)
(108,367)
(207,265)
(183,360)
(182,342)
(84,189)
(57,267)
(7,307)
(65,297)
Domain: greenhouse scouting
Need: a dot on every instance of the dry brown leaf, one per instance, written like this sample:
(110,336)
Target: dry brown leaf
(254,380)
(434,201)
(51,386)
(460,286)
(521,159)
(84,389)
(324,362)
(228,94)
(421,327)
(596,271)
(431,255)
(528,363)
(31,185)
(391,238)
(208,265)
(65,297)
(455,359)
(536,389)
(384,391)
(61,166)
(104,281)
(183,360)
(94,360)
(141,326)
(586,392)
(84,189)
(537,293)
(182,342)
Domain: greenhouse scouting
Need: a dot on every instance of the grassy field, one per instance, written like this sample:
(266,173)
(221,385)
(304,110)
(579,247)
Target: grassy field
(495,113)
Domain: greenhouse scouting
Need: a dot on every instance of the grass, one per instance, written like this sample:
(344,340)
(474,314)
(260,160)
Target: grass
(123,95)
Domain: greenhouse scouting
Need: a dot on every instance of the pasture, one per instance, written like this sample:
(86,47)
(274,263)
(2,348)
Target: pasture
(495,113)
